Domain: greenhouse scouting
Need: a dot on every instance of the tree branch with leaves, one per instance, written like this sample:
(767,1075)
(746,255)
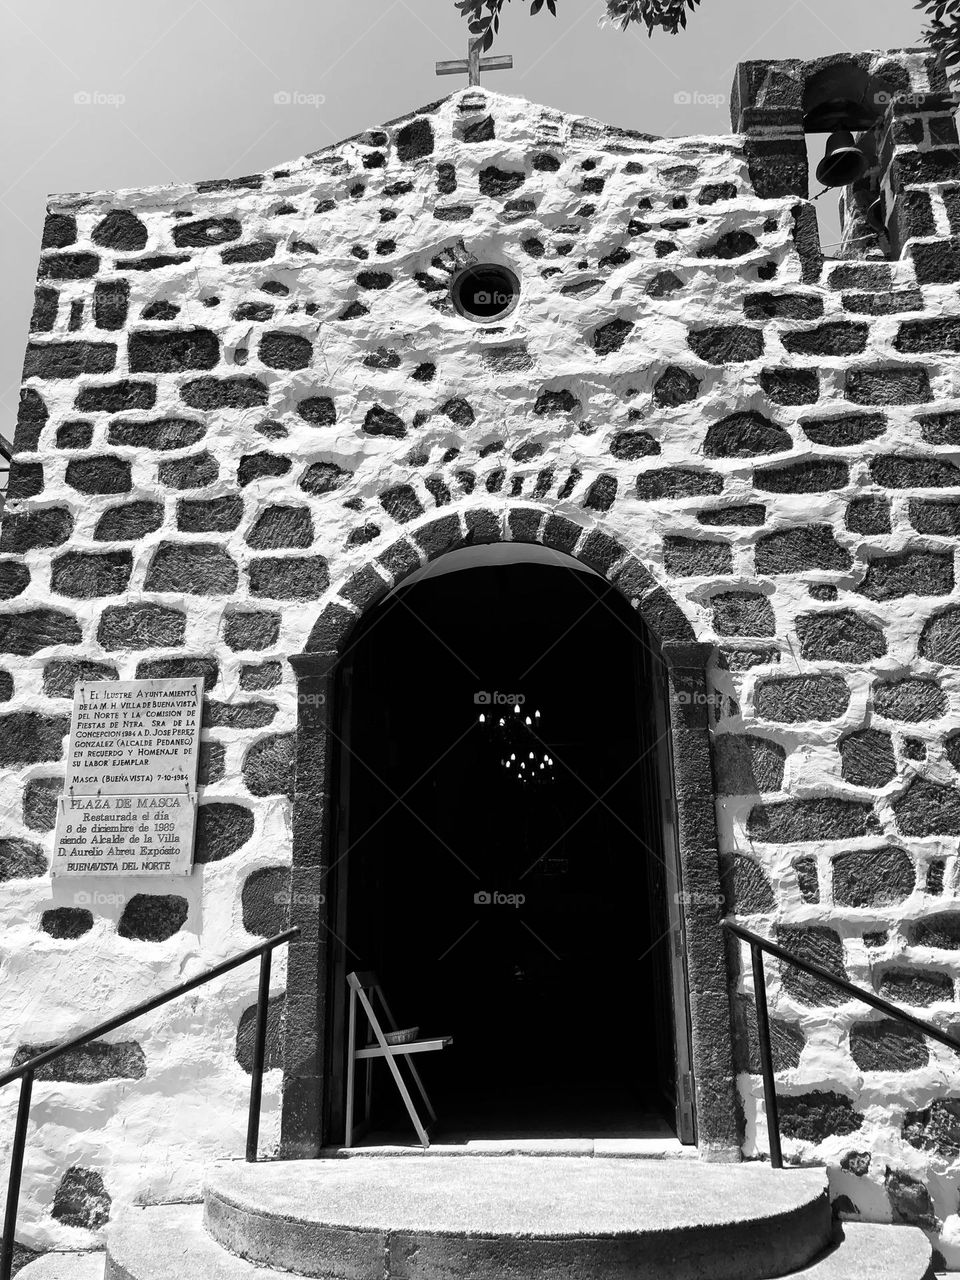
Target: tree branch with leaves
(483,19)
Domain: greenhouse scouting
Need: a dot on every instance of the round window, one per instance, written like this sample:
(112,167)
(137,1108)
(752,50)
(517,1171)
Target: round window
(486,292)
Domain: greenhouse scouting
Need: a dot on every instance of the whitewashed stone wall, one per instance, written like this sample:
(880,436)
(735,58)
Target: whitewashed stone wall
(240,395)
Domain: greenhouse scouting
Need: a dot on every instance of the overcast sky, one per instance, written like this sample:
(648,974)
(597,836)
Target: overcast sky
(120,93)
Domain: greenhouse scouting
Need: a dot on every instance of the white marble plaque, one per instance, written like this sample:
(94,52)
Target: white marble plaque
(129,804)
(134,736)
(124,835)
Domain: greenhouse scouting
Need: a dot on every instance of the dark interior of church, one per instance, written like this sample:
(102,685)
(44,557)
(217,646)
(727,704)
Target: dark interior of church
(500,857)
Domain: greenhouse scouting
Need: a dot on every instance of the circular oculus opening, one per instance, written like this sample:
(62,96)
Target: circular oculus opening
(486,292)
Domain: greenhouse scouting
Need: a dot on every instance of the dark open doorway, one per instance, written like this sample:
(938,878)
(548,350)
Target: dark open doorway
(533,919)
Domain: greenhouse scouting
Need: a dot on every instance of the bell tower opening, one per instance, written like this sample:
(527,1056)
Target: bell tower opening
(504,855)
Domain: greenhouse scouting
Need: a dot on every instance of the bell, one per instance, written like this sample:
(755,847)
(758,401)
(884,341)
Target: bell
(843,161)
(874,216)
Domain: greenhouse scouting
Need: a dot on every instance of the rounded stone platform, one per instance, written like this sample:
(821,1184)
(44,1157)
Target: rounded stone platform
(565,1218)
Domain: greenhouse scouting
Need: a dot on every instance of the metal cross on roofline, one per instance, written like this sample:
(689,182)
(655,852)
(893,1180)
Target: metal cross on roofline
(473,64)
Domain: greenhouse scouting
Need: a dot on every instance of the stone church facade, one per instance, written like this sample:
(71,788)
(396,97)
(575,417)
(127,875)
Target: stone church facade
(251,408)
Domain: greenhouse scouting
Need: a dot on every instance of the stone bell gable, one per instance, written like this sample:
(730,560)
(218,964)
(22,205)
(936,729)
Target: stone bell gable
(251,407)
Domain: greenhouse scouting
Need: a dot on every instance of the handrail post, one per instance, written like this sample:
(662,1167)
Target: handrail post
(766,1058)
(16,1171)
(259,1050)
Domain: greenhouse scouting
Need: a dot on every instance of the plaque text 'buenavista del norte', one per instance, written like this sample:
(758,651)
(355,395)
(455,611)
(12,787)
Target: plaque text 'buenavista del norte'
(129,802)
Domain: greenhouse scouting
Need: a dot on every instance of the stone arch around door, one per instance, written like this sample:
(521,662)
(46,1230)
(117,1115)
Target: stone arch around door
(709,959)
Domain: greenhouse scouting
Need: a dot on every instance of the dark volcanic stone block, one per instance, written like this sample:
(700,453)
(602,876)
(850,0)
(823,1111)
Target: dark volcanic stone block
(940,930)
(208,669)
(814,475)
(222,829)
(268,766)
(26,531)
(40,805)
(867,758)
(196,568)
(128,522)
(289,577)
(628,445)
(264,675)
(141,626)
(153,917)
(401,502)
(285,351)
(798,698)
(281,526)
(116,397)
(744,435)
(257,466)
(887,1046)
(811,546)
(611,336)
(791,821)
(941,333)
(811,1117)
(206,231)
(75,435)
(120,230)
(872,878)
(904,384)
(27,737)
(323,477)
(928,809)
(251,631)
(103,474)
(21,860)
(688,557)
(791,386)
(319,411)
(726,344)
(81,1200)
(89,1063)
(225,393)
(415,140)
(32,413)
(940,428)
(747,765)
(940,638)
(382,422)
(819,946)
(265,901)
(922,573)
(883,304)
(915,987)
(66,922)
(675,386)
(911,699)
(59,230)
(172,350)
(840,636)
(561,401)
(678,482)
(85,575)
(838,338)
(844,429)
(238,715)
(897,472)
(256,251)
(30,631)
(45,304)
(210,515)
(782,306)
(742,613)
(752,891)
(68,359)
(211,763)
(69,266)
(158,433)
(276,1017)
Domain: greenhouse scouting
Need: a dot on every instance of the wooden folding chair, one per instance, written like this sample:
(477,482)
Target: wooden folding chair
(363,988)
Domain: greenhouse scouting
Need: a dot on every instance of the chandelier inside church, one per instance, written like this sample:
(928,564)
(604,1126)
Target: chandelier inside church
(515,735)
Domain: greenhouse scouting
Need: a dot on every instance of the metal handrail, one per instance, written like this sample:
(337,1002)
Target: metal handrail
(26,1071)
(757,947)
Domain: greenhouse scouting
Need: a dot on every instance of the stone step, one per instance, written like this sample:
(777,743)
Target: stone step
(562,1217)
(866,1251)
(65,1266)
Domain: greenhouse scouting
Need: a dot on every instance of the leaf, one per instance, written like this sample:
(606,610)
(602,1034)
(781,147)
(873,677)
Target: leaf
(536,7)
(552,6)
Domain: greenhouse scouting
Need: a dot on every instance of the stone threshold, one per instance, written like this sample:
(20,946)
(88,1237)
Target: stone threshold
(629,1148)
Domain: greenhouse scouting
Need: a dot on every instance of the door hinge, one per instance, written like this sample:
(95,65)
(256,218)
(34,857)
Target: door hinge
(686,1086)
(678,943)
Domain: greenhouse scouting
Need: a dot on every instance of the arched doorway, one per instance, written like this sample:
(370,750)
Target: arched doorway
(503,852)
